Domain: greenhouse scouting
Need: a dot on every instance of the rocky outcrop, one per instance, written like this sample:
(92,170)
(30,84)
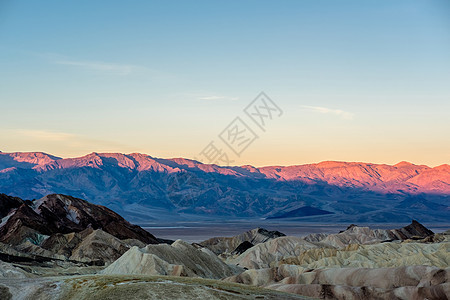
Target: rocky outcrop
(63,228)
(412,282)
(178,259)
(65,214)
(83,214)
(95,246)
(415,230)
(25,224)
(91,247)
(364,235)
(220,245)
(266,276)
(244,246)
(356,246)
(269,254)
(9,271)
(415,282)
(8,203)
(394,254)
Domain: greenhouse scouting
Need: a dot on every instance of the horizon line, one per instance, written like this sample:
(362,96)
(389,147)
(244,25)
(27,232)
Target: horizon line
(230,166)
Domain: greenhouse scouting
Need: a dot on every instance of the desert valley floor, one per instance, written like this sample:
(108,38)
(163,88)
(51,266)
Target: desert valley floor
(195,232)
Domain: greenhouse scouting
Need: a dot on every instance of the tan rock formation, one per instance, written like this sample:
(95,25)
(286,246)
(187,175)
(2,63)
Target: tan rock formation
(268,254)
(412,282)
(365,235)
(9,271)
(220,245)
(394,254)
(178,259)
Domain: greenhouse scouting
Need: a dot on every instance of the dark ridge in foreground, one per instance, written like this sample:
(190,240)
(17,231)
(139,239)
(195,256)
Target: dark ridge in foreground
(63,214)
(65,230)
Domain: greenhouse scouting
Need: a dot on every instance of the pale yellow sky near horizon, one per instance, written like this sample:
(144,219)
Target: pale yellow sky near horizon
(274,147)
(302,134)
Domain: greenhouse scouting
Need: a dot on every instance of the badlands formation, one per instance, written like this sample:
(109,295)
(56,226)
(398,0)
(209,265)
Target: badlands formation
(60,247)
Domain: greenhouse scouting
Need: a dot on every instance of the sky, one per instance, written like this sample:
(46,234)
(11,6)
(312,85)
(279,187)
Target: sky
(353,80)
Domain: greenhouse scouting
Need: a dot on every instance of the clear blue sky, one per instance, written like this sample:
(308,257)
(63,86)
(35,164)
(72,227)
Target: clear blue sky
(357,80)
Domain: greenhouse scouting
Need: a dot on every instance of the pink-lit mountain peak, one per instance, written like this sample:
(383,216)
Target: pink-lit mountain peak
(404,164)
(133,161)
(379,177)
(36,158)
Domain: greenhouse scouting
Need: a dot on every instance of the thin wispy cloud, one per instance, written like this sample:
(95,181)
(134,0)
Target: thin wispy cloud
(64,141)
(44,135)
(113,68)
(212,98)
(325,110)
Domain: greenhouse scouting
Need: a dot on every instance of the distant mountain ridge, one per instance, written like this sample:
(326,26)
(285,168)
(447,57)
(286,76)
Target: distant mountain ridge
(136,184)
(410,177)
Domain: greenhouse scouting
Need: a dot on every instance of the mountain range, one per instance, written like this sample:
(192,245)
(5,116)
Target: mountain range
(144,188)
